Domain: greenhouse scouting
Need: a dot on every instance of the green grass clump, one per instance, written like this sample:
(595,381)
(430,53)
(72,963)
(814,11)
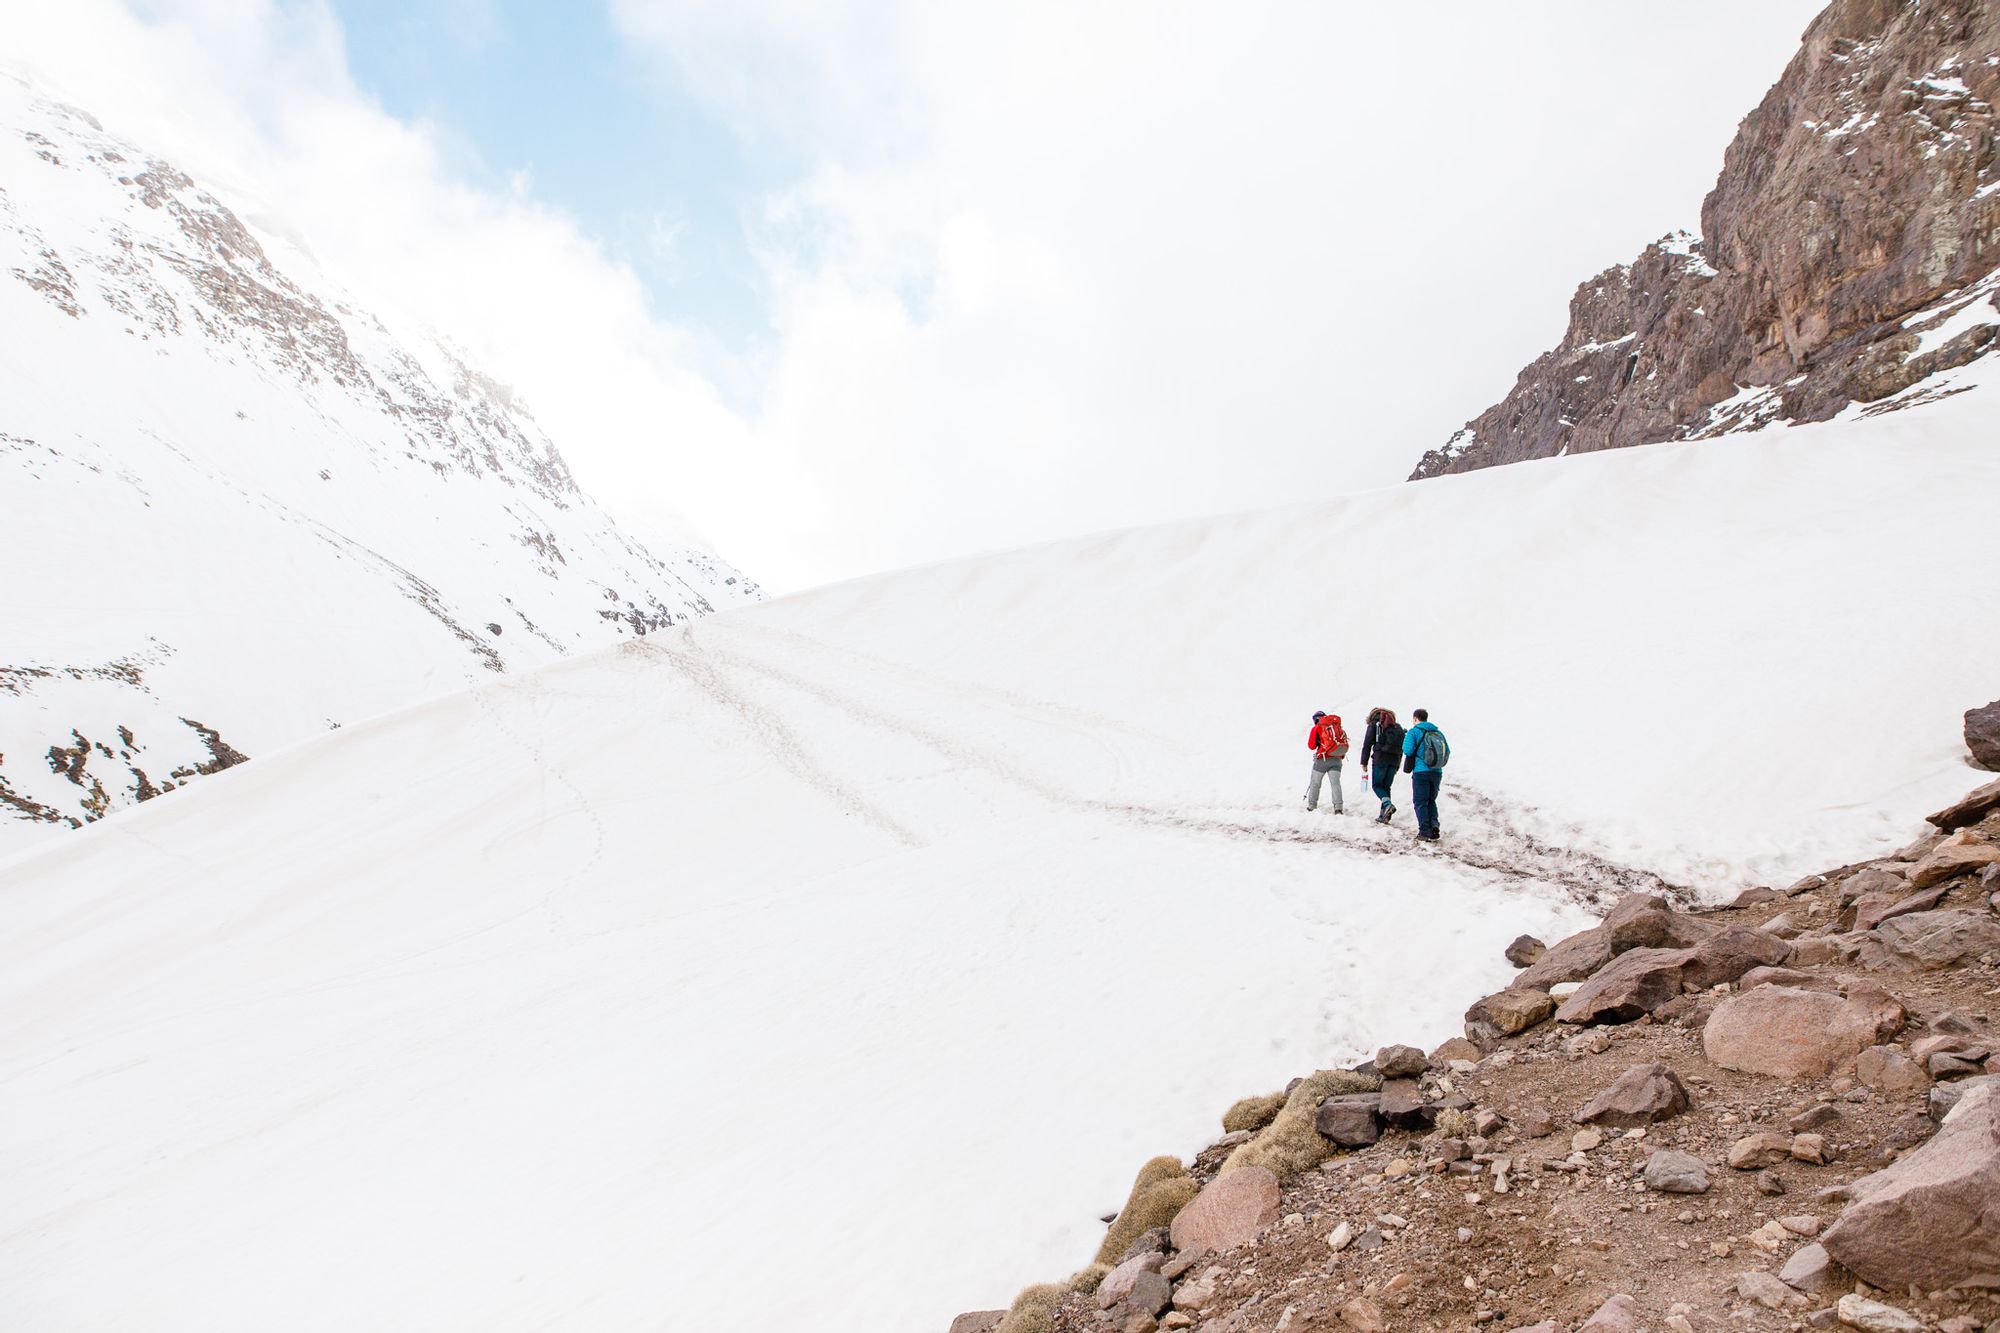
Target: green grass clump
(1162,1189)
(1292,1143)
(1034,1310)
(1252,1113)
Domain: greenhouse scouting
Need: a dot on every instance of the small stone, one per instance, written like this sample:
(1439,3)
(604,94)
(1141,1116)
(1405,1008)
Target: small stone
(1641,1094)
(1118,1283)
(1815,1117)
(1150,1294)
(1801,1224)
(1809,1148)
(1351,1122)
(1764,1148)
(1397,1169)
(1875,1317)
(1396,1284)
(1809,1269)
(1400,1062)
(1363,1314)
(1769,1238)
(1620,1314)
(1525,950)
(1340,1237)
(1887,1069)
(1371,1239)
(978,1321)
(1764,1289)
(1535,1123)
(1464,1235)
(1673,1172)
(1768,1182)
(1584,1140)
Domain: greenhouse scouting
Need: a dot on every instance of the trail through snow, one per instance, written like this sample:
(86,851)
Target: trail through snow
(833,963)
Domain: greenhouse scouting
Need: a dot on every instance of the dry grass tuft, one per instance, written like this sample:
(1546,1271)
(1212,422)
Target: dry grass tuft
(1086,1280)
(1252,1113)
(1453,1123)
(1161,1190)
(1292,1144)
(1034,1310)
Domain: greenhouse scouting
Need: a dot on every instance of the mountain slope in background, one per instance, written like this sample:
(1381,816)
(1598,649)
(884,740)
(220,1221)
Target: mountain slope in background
(238,511)
(1847,256)
(827,964)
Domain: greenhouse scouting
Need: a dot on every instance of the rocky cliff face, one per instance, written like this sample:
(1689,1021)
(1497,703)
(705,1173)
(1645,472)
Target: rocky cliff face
(1847,256)
(236,508)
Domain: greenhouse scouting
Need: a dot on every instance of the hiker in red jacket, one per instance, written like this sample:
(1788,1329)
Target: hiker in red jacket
(1328,742)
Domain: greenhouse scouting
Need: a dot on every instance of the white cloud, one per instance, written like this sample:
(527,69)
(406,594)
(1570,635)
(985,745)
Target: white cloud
(1043,267)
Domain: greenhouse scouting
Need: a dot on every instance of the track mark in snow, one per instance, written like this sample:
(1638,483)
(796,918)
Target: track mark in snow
(1517,856)
(693,662)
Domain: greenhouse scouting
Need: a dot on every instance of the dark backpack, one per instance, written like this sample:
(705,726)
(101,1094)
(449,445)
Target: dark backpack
(1389,743)
(1433,750)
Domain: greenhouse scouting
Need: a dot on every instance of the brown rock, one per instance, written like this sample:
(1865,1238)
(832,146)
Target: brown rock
(1868,917)
(1400,1062)
(1636,982)
(1974,806)
(1775,976)
(1927,941)
(1793,1034)
(1230,1210)
(1960,854)
(1887,1069)
(1117,1284)
(1982,736)
(1402,1104)
(1454,1048)
(1728,954)
(1639,1096)
(1874,879)
(1752,897)
(1808,1270)
(1764,1148)
(1149,1295)
(1507,1012)
(1525,950)
(1933,1218)
(1535,1123)
(1620,1314)
(1822,256)
(1351,1122)
(1364,1315)
(978,1321)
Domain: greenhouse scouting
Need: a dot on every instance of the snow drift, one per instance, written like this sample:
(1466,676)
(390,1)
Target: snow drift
(832,963)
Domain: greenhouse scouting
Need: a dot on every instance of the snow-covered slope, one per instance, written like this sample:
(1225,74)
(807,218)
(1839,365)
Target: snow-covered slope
(824,964)
(237,511)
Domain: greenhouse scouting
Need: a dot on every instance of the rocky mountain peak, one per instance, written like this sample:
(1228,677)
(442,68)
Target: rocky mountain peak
(1847,257)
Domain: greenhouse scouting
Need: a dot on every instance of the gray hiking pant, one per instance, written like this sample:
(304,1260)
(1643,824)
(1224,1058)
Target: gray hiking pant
(1322,767)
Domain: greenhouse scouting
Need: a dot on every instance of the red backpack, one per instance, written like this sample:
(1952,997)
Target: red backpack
(1332,738)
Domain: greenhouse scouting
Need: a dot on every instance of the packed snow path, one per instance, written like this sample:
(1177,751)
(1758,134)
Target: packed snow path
(832,964)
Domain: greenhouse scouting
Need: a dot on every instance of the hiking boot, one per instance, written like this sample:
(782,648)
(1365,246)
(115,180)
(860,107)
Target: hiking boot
(1388,812)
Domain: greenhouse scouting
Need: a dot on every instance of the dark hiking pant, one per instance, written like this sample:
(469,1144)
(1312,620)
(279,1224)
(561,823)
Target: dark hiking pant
(1385,779)
(1424,800)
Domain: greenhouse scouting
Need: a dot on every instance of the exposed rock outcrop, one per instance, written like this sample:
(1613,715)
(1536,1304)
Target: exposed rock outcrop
(1847,253)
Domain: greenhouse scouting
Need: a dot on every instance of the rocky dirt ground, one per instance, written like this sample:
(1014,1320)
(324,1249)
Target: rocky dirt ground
(1706,1119)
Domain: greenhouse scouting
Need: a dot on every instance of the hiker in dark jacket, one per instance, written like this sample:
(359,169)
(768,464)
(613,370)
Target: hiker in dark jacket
(1381,753)
(1424,760)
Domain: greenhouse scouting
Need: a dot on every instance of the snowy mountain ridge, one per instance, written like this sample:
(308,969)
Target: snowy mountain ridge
(240,510)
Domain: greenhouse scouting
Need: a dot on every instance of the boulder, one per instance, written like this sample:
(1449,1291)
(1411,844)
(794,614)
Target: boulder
(1731,952)
(1932,1219)
(1673,1172)
(1874,879)
(1351,1122)
(1764,1148)
(1759,1286)
(1639,921)
(1928,941)
(1507,1012)
(1402,1104)
(1775,976)
(1755,897)
(1867,915)
(1230,1210)
(1400,1062)
(1982,735)
(1639,1096)
(978,1321)
(1808,1270)
(1455,1048)
(1634,983)
(1569,959)
(1150,1294)
(1875,1317)
(1794,1034)
(1974,806)
(1886,1069)
(1117,1284)
(1960,854)
(1620,1314)
(1524,950)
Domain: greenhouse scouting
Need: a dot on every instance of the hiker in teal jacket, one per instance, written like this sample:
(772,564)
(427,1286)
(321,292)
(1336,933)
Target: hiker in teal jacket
(1425,775)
